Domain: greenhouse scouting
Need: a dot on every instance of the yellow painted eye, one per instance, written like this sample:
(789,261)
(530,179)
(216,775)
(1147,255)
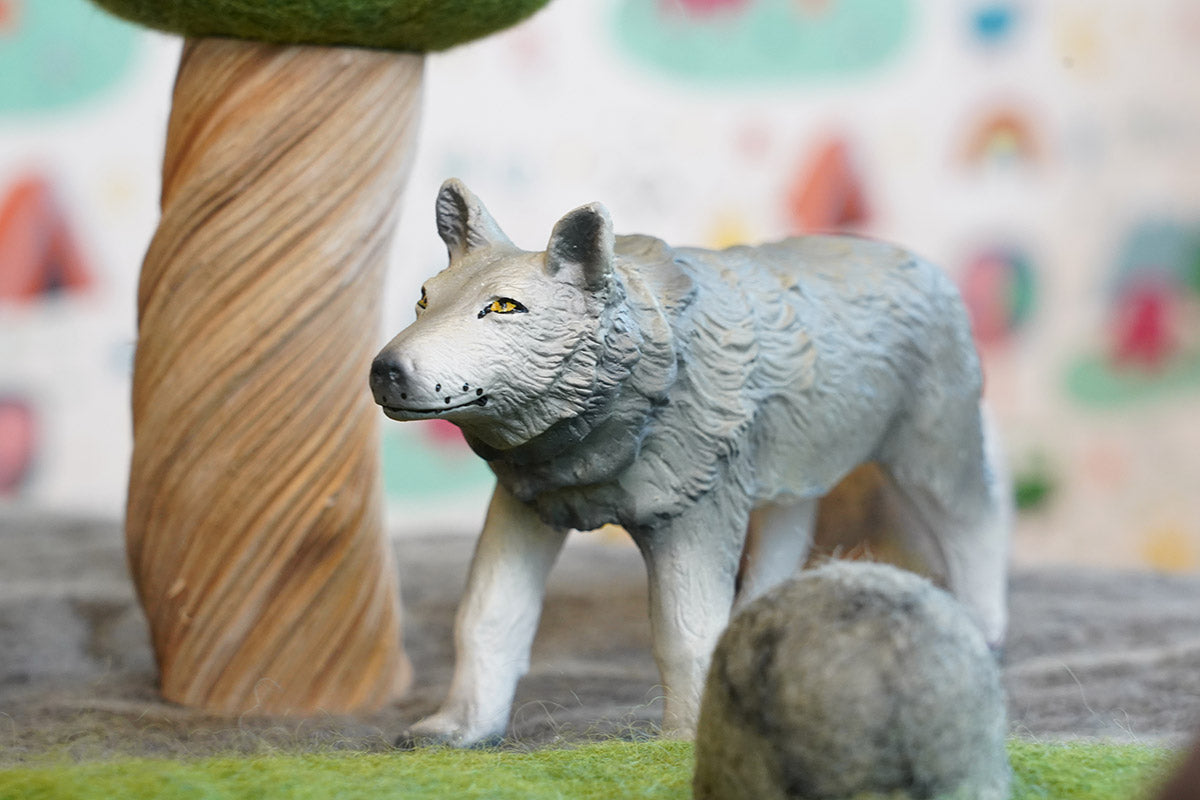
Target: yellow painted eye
(424,301)
(502,305)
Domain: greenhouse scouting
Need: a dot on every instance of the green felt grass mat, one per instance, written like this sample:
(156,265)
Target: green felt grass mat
(656,769)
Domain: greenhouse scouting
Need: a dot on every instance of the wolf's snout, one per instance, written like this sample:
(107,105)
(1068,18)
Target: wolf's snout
(388,381)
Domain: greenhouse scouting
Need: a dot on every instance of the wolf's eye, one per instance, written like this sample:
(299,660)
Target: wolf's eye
(503,305)
(424,301)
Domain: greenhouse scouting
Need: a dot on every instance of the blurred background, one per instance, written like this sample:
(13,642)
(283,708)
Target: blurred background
(1045,152)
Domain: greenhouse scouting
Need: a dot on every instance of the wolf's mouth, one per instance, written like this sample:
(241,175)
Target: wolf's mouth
(433,412)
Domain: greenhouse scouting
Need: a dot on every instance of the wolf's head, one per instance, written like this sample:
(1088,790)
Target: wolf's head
(506,342)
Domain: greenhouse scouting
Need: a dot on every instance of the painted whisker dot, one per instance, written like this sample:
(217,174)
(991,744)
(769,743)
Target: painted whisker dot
(479,391)
(447,401)
(437,388)
(465,387)
(403,396)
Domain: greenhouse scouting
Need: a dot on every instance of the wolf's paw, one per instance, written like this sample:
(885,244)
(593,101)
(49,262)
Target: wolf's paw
(443,730)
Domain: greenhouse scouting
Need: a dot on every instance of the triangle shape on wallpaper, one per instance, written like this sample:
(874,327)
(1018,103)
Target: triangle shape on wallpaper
(828,194)
(39,253)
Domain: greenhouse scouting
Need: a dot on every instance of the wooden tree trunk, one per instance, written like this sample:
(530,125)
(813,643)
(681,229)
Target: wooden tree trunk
(254,526)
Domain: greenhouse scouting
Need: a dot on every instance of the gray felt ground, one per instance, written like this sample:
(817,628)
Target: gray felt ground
(1090,653)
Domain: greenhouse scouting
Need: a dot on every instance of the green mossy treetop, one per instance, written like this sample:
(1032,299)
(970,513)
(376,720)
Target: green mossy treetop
(412,25)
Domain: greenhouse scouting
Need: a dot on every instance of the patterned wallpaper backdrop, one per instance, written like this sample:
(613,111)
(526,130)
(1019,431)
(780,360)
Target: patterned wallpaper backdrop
(1046,153)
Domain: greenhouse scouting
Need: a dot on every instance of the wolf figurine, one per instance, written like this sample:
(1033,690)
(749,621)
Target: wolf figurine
(706,402)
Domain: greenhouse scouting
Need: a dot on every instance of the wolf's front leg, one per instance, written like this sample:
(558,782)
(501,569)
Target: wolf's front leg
(496,622)
(692,564)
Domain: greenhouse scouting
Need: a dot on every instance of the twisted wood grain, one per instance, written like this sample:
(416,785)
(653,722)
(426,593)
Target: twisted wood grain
(253,524)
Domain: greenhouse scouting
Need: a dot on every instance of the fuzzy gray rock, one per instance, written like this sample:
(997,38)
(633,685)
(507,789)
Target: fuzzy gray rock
(852,681)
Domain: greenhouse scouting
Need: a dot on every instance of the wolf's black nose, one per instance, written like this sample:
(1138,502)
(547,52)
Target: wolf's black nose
(386,379)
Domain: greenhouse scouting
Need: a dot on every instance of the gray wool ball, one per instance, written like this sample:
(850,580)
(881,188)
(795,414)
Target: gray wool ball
(854,680)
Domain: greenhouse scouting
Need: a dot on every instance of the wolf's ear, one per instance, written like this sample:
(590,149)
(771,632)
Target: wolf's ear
(463,222)
(584,238)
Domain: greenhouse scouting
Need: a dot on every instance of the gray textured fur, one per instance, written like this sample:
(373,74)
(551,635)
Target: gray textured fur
(688,395)
(854,680)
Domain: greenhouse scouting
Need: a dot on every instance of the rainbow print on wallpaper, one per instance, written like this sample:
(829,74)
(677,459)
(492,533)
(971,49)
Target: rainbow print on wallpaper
(1001,137)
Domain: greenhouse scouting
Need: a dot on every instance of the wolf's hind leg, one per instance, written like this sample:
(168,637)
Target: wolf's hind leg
(958,517)
(496,621)
(777,542)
